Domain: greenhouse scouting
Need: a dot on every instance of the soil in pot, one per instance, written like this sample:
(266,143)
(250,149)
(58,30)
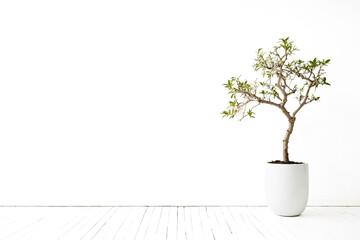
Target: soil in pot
(282,162)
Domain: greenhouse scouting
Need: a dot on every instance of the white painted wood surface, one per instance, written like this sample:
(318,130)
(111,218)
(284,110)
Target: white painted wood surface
(177,223)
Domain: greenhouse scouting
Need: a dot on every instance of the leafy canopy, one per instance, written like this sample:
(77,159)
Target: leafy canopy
(284,77)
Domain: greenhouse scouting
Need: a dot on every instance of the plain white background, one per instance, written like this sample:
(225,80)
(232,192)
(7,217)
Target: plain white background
(118,102)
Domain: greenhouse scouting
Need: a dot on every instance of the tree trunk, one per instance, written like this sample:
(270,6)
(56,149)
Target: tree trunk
(286,140)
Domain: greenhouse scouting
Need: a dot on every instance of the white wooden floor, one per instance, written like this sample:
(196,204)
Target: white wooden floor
(178,223)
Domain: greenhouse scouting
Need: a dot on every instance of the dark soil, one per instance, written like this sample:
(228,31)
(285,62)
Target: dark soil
(282,162)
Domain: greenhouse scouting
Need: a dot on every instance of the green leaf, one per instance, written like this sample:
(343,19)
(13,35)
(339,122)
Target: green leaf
(225,113)
(251,113)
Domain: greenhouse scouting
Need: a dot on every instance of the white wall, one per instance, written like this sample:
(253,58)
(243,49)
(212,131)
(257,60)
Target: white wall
(118,102)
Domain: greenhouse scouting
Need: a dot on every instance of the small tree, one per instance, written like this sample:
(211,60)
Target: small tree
(284,78)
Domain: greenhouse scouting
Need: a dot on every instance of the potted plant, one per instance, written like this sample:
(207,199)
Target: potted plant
(285,80)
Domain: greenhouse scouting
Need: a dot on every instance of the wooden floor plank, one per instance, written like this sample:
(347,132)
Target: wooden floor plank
(123,225)
(153,223)
(85,224)
(221,227)
(140,223)
(144,224)
(109,225)
(172,228)
(51,219)
(161,230)
(333,223)
(271,232)
(72,216)
(177,223)
(206,225)
(98,227)
(197,227)
(247,228)
(134,223)
(218,231)
(188,224)
(232,223)
(76,218)
(26,220)
(280,231)
(181,232)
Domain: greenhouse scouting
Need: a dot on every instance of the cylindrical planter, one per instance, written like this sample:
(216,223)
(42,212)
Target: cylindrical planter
(287,188)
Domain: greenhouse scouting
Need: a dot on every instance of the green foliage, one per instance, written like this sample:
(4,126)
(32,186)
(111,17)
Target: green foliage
(283,77)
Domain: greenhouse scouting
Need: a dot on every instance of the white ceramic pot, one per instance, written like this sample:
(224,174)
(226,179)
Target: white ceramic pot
(287,188)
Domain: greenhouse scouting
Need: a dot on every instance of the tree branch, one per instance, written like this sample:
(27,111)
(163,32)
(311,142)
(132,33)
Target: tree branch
(280,76)
(304,101)
(257,98)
